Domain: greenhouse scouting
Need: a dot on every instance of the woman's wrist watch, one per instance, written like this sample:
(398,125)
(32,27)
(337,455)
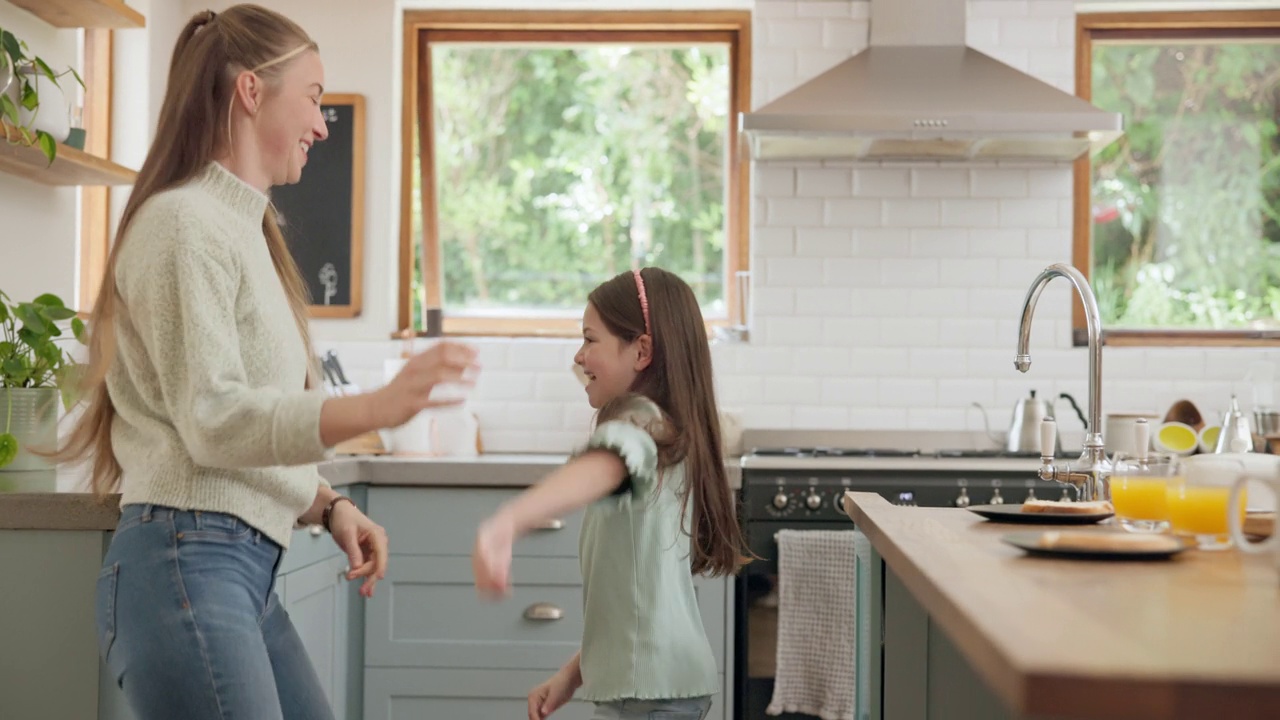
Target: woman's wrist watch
(328,511)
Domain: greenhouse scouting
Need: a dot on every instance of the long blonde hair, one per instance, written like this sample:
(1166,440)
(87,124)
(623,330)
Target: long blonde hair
(211,51)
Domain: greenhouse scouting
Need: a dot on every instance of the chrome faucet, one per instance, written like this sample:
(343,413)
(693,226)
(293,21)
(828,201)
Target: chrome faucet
(1090,474)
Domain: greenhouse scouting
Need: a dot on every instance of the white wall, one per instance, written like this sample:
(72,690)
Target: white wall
(923,268)
(37,249)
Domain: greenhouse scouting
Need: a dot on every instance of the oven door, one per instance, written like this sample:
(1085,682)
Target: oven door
(757,623)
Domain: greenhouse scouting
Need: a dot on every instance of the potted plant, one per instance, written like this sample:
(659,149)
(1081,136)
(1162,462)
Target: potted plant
(34,370)
(20,77)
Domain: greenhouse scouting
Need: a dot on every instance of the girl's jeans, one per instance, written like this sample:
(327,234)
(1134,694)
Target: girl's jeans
(190,626)
(684,709)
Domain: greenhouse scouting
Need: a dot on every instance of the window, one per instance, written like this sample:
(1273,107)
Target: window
(1178,223)
(551,151)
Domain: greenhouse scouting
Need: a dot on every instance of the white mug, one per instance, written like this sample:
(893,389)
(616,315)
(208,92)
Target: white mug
(1236,524)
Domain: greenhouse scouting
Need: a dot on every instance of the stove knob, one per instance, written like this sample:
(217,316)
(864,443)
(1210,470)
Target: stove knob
(780,500)
(963,500)
(1031,493)
(1066,496)
(995,497)
(906,499)
(814,501)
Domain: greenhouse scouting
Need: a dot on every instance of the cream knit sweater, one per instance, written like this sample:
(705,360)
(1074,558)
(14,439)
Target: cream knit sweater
(209,376)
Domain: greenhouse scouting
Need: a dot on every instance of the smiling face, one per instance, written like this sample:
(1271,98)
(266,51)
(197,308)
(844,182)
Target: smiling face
(289,121)
(609,364)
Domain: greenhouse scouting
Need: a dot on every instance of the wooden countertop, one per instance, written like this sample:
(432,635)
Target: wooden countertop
(1197,636)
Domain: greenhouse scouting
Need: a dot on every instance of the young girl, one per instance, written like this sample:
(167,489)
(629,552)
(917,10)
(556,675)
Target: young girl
(659,508)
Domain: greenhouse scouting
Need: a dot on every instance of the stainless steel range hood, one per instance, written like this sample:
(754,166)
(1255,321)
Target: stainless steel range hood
(918,93)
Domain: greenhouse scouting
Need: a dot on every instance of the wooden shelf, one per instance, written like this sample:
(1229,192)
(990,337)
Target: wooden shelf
(71,167)
(84,13)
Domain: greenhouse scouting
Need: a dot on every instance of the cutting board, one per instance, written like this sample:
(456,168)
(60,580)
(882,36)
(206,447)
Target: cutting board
(1260,524)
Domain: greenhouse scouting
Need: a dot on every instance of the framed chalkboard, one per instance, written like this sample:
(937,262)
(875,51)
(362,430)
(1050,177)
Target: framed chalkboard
(323,214)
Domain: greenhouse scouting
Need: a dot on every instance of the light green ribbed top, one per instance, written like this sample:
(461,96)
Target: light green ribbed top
(209,376)
(642,636)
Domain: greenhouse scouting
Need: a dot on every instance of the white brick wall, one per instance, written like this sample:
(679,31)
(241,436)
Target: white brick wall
(884,296)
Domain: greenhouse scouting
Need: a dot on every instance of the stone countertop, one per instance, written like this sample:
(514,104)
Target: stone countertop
(82,511)
(1197,636)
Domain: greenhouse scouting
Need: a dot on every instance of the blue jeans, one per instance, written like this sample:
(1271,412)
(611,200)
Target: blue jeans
(190,626)
(684,709)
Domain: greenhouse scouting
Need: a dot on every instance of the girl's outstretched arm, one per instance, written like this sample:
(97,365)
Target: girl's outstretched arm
(578,483)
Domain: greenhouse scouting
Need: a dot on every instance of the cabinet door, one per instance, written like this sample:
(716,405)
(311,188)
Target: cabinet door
(426,614)
(711,604)
(317,600)
(420,693)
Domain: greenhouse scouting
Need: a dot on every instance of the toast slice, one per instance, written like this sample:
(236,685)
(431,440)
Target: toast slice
(1120,542)
(1058,507)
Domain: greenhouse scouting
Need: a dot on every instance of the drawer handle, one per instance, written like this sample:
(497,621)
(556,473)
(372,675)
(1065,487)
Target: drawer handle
(544,612)
(552,524)
(315,530)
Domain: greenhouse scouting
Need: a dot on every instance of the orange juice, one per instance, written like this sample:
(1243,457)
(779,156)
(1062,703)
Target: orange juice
(1136,497)
(1200,510)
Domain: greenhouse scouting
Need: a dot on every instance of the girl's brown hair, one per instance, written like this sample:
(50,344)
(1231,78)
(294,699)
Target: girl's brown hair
(679,381)
(194,128)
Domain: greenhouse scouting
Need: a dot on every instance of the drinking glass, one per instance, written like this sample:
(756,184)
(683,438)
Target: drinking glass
(1139,490)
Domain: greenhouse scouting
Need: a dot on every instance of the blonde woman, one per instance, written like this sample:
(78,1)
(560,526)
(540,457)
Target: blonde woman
(202,405)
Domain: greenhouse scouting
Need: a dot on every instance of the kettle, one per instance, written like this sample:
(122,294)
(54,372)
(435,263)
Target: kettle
(1024,429)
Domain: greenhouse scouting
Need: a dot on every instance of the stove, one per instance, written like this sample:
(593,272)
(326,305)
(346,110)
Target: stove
(802,488)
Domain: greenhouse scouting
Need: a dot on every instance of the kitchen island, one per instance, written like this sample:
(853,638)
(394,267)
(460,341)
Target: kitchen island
(974,628)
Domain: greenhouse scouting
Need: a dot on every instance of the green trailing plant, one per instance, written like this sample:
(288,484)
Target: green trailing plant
(27,71)
(32,357)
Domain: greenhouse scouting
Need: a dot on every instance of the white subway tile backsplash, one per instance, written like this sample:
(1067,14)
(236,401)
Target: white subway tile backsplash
(824,242)
(1053,244)
(960,392)
(1030,32)
(879,361)
(981,32)
(794,211)
(774,301)
(1029,213)
(967,332)
(908,392)
(852,212)
(824,301)
(735,390)
(504,386)
(776,416)
(945,303)
(792,331)
(935,418)
(940,183)
(883,182)
(561,387)
(824,361)
(970,213)
(909,273)
(1002,9)
(1000,182)
(998,243)
(824,182)
(851,331)
(875,242)
(771,180)
(940,243)
(766,361)
(792,391)
(793,34)
(820,417)
(845,35)
(849,391)
(877,418)
(794,271)
(938,363)
(814,62)
(915,212)
(1053,183)
(822,9)
(909,332)
(533,415)
(852,272)
(774,242)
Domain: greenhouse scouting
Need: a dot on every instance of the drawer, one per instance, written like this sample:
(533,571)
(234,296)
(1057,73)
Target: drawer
(403,694)
(426,614)
(443,521)
(310,545)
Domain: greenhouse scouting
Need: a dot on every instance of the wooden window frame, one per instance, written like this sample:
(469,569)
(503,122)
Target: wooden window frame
(1140,26)
(731,26)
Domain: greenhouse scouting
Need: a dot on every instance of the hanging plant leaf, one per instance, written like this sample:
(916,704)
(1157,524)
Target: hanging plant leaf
(12,47)
(78,329)
(48,145)
(8,448)
(30,98)
(30,317)
(47,72)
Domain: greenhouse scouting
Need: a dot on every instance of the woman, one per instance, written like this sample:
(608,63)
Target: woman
(203,405)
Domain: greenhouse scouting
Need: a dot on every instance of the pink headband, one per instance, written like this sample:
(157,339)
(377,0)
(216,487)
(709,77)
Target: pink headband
(644,301)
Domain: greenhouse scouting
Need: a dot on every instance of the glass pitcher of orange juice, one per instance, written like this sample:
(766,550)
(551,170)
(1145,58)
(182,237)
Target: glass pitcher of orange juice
(1199,501)
(1140,490)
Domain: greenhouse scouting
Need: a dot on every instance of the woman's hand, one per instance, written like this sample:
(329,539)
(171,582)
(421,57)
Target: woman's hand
(555,692)
(491,557)
(364,542)
(409,392)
